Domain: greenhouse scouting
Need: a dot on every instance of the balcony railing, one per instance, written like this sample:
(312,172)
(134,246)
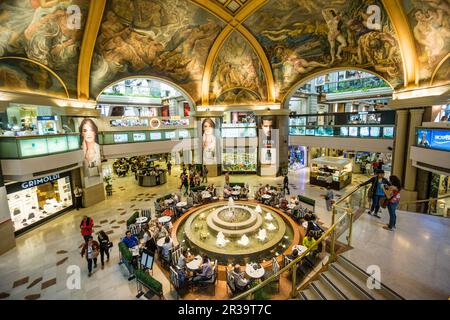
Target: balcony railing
(37,146)
(354,131)
(363,84)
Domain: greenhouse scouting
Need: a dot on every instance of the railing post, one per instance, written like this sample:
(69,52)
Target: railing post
(350,228)
(294,281)
(333,238)
(364,197)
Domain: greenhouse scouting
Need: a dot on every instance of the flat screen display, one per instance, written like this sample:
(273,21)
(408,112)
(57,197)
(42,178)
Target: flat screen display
(170,135)
(353,131)
(138,136)
(155,135)
(388,132)
(364,131)
(375,132)
(183,134)
(434,139)
(310,132)
(344,131)
(120,137)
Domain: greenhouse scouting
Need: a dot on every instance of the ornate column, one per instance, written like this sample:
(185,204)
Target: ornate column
(401,132)
(410,171)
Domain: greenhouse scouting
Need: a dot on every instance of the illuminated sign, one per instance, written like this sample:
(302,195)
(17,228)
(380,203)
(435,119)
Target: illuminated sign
(36,182)
(434,139)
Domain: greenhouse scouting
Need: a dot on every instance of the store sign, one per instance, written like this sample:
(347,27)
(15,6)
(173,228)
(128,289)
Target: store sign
(36,182)
(46,118)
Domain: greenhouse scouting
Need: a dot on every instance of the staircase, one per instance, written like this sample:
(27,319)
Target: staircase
(345,281)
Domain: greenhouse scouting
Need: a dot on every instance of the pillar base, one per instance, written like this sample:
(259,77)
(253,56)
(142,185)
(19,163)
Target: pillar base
(7,235)
(93,195)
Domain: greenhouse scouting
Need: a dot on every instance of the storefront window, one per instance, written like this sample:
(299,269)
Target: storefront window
(33,201)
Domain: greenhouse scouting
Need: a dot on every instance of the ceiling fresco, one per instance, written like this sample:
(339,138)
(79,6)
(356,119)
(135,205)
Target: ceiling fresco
(44,31)
(305,37)
(26,76)
(430,23)
(163,38)
(237,66)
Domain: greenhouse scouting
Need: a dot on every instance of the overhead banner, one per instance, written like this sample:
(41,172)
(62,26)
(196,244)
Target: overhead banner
(211,141)
(92,159)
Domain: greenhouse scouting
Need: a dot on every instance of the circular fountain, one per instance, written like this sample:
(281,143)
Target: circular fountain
(235,233)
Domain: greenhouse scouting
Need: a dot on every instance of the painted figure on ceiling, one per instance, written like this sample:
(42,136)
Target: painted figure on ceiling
(334,24)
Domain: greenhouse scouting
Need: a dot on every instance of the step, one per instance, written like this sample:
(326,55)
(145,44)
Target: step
(352,290)
(310,294)
(327,289)
(360,277)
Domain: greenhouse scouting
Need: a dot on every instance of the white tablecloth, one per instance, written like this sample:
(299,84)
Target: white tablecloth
(161,241)
(181,204)
(195,264)
(266,196)
(164,219)
(141,220)
(299,248)
(255,274)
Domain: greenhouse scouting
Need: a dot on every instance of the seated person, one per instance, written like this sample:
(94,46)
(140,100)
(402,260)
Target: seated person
(284,204)
(293,255)
(244,193)
(184,258)
(162,231)
(258,195)
(207,271)
(175,198)
(240,282)
(226,192)
(266,189)
(129,240)
(189,201)
(165,248)
(310,242)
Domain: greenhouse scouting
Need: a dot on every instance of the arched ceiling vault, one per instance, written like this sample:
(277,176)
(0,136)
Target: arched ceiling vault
(414,25)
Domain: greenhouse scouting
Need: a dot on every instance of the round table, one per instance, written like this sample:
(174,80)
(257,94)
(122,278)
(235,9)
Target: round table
(266,196)
(195,264)
(206,195)
(255,274)
(305,224)
(235,193)
(161,241)
(299,248)
(141,220)
(291,206)
(181,204)
(164,219)
(237,187)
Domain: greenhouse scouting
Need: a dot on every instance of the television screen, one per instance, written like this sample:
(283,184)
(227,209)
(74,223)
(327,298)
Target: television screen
(375,131)
(138,136)
(364,131)
(388,132)
(310,132)
(121,138)
(424,138)
(183,134)
(155,135)
(170,135)
(344,131)
(440,139)
(353,131)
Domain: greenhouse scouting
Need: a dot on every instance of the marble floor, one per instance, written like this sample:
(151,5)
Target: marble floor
(41,264)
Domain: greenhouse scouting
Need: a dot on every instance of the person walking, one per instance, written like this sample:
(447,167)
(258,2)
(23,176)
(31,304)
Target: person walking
(204,174)
(186,185)
(169,168)
(78,197)
(286,185)
(91,250)
(393,195)
(227,178)
(376,191)
(329,198)
(103,241)
(86,226)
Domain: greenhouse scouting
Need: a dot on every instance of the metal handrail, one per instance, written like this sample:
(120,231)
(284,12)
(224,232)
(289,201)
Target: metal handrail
(426,200)
(293,263)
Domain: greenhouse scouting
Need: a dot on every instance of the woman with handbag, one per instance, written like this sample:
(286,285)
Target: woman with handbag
(105,244)
(91,249)
(393,197)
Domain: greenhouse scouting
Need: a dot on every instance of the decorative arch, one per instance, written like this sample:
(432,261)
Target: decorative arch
(444,65)
(168,82)
(302,81)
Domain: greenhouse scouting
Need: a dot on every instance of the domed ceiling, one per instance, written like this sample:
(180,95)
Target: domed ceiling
(218,51)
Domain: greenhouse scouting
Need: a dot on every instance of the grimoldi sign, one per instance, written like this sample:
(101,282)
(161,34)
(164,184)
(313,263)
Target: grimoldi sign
(14,187)
(36,182)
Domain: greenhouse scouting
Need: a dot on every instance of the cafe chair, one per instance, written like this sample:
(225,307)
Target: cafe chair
(211,282)
(177,282)
(230,282)
(275,268)
(176,255)
(146,213)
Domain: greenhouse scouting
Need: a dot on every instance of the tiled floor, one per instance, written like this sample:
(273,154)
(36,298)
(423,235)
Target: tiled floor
(48,251)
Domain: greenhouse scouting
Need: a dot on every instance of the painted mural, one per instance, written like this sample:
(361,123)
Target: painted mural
(304,37)
(25,76)
(237,96)
(164,38)
(237,66)
(46,32)
(442,73)
(430,23)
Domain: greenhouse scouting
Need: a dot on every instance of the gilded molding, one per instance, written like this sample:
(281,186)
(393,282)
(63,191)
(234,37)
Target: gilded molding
(92,27)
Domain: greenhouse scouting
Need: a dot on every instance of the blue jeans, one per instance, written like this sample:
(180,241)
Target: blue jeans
(392,207)
(376,204)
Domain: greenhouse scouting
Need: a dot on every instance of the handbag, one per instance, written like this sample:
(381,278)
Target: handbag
(95,253)
(384,202)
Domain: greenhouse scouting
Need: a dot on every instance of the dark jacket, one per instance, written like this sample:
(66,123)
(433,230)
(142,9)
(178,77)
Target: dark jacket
(374,186)
(103,241)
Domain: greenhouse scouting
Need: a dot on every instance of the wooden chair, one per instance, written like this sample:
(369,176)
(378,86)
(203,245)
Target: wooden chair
(176,255)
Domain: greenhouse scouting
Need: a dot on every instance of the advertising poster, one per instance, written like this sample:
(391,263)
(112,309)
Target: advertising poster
(268,141)
(92,160)
(210,135)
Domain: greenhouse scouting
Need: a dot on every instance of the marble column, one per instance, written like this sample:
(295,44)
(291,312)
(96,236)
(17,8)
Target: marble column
(7,238)
(283,149)
(411,171)
(401,132)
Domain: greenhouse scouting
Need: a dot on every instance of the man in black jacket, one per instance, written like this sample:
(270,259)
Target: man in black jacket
(376,193)
(286,184)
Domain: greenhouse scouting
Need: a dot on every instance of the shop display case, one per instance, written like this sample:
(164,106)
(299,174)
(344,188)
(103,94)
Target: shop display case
(331,171)
(239,160)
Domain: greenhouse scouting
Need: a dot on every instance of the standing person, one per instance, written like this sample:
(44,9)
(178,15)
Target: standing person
(204,174)
(182,178)
(227,178)
(78,197)
(329,181)
(376,191)
(393,195)
(103,241)
(86,226)
(368,168)
(186,185)
(91,249)
(380,164)
(329,198)
(169,168)
(286,185)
